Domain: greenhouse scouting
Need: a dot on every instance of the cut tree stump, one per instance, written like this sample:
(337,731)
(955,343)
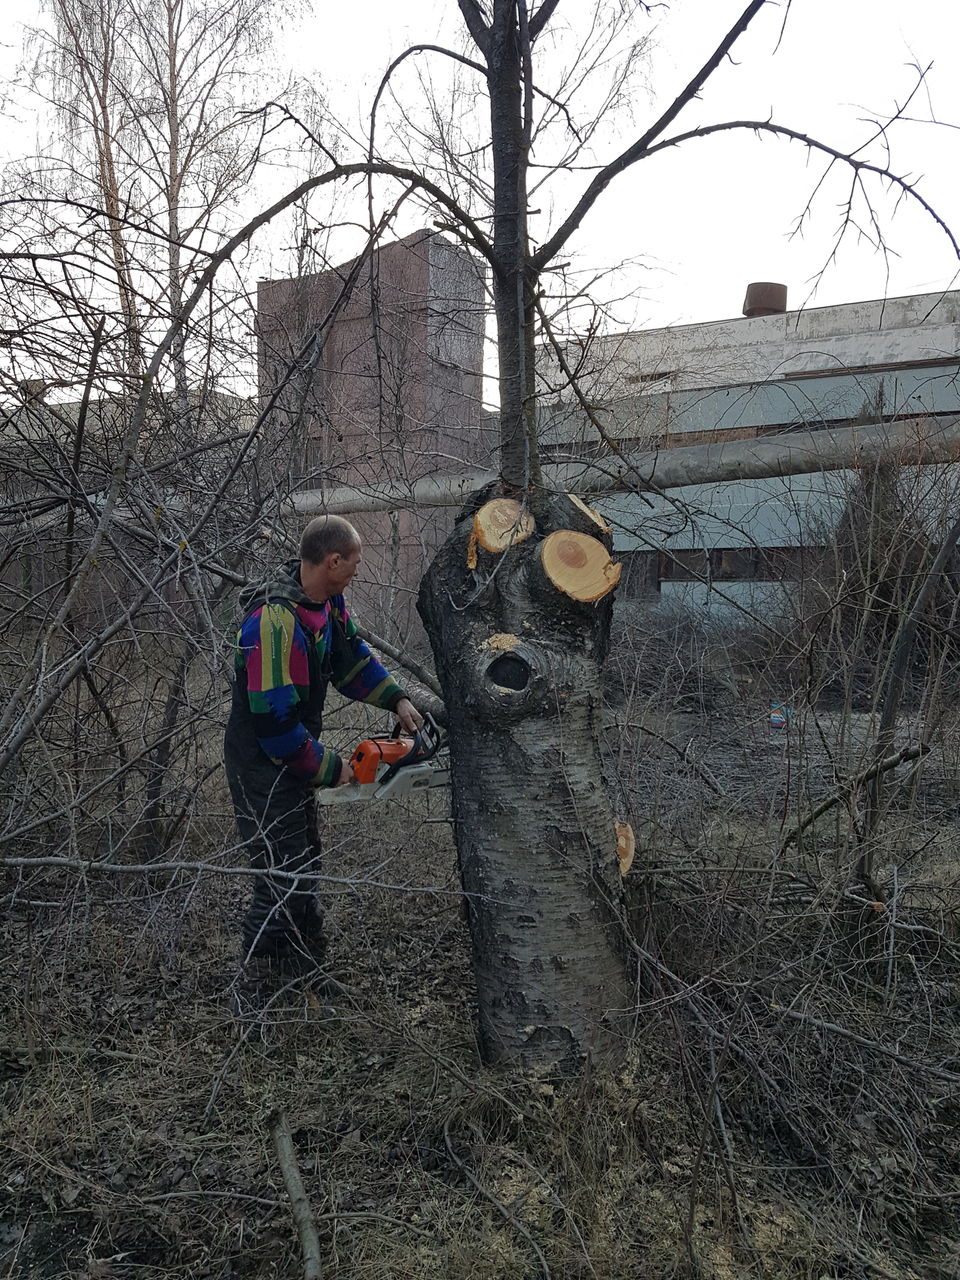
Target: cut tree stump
(579,566)
(520,665)
(502,523)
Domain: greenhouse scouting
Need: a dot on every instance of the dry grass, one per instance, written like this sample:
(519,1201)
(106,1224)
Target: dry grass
(742,1137)
(136,1103)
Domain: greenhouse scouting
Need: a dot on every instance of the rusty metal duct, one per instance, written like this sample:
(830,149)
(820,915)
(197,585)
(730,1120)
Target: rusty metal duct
(765,299)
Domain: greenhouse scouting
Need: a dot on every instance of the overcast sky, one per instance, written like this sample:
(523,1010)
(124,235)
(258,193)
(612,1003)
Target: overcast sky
(718,213)
(711,216)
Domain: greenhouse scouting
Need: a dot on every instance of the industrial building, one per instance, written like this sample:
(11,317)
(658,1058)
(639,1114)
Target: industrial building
(390,398)
(717,546)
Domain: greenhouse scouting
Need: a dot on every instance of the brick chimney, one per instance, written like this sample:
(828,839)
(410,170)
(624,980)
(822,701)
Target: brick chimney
(765,299)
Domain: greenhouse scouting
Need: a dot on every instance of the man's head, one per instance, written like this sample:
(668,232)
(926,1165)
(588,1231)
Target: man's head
(330,555)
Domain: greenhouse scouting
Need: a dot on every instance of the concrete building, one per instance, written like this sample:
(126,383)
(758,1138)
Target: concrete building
(731,545)
(378,413)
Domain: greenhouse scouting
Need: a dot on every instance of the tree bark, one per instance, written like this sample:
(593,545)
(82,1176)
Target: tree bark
(507,60)
(519,663)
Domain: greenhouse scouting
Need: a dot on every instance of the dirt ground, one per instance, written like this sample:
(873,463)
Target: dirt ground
(138,1096)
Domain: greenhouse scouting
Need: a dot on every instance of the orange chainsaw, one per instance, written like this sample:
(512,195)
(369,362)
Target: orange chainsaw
(386,768)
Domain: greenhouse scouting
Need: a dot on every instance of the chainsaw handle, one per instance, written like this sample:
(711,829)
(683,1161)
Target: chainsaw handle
(430,736)
(427,741)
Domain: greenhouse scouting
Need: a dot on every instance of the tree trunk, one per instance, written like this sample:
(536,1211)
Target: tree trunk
(183,425)
(519,662)
(512,289)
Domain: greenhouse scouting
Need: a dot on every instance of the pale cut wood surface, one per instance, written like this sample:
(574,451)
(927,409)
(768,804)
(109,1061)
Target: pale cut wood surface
(578,565)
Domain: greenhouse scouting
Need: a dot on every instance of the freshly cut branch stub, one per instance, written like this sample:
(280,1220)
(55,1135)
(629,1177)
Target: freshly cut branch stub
(578,565)
(472,551)
(590,513)
(626,846)
(502,522)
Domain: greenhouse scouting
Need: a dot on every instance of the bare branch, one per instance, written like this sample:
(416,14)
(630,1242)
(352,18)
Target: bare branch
(303,1217)
(849,159)
(913,752)
(476,24)
(541,18)
(639,148)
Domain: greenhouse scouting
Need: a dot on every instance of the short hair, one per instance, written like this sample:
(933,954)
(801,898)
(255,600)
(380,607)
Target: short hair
(326,536)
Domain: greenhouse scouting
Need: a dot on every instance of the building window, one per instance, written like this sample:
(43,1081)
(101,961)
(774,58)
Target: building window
(732,564)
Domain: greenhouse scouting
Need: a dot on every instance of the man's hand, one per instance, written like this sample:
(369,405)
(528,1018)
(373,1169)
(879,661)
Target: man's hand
(347,777)
(410,718)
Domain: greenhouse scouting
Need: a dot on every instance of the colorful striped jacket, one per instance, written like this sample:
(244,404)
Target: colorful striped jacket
(287,650)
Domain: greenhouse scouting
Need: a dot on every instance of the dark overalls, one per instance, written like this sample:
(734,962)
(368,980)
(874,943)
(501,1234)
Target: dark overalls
(277,817)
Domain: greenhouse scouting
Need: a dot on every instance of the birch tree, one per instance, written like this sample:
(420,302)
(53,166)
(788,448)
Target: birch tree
(518,602)
(149,104)
(518,606)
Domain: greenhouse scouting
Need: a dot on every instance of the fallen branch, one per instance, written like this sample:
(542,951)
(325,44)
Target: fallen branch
(937,1072)
(415,668)
(299,1204)
(880,766)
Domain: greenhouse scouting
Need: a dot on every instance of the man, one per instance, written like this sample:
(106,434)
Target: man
(296,638)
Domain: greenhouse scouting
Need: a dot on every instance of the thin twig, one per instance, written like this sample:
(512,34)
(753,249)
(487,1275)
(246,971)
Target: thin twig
(497,1204)
(937,1072)
(698,767)
(912,752)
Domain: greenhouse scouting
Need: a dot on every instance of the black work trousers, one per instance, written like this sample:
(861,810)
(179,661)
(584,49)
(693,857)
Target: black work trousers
(278,823)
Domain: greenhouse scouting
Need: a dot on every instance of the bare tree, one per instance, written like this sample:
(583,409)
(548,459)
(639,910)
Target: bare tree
(520,623)
(517,604)
(150,104)
(152,153)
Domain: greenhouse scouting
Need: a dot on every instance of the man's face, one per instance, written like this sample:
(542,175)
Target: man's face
(341,570)
(331,576)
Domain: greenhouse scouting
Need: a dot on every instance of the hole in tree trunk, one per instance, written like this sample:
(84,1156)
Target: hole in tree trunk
(509,672)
